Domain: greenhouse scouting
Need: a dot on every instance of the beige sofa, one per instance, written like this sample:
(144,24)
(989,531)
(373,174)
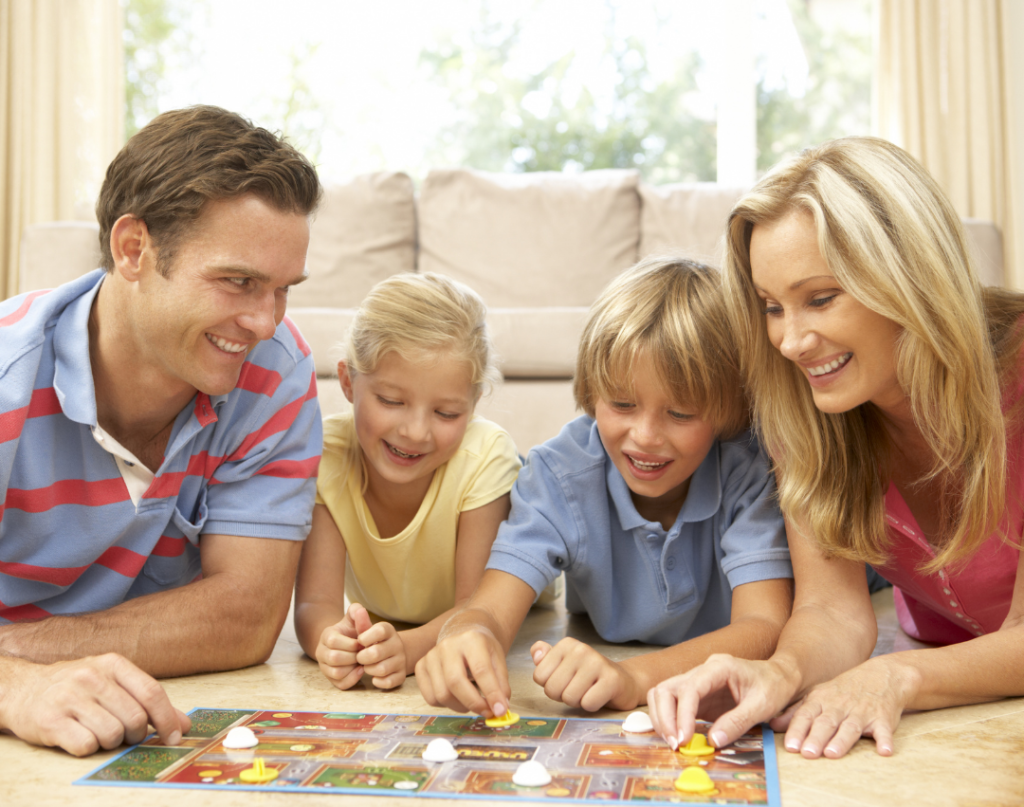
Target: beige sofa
(537,247)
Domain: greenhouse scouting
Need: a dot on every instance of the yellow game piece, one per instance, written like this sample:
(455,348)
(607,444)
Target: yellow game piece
(697,747)
(510,718)
(258,774)
(695,780)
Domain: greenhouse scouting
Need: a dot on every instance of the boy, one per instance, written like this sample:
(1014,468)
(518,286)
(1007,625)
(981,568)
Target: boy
(654,504)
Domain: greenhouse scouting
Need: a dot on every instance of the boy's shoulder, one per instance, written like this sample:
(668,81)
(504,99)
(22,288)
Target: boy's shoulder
(743,462)
(576,448)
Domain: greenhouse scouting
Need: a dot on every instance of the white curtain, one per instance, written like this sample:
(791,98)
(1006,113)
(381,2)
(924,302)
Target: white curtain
(943,94)
(61,113)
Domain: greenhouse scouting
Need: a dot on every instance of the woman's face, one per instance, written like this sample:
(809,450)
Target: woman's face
(844,349)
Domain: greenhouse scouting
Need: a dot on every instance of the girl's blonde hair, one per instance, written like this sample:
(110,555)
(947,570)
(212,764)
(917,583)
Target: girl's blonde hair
(893,241)
(419,315)
(671,311)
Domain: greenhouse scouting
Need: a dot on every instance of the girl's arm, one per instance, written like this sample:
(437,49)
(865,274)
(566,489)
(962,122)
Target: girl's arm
(477,530)
(578,675)
(832,629)
(320,602)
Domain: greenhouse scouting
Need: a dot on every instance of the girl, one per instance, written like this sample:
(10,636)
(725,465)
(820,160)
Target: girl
(411,486)
(887,385)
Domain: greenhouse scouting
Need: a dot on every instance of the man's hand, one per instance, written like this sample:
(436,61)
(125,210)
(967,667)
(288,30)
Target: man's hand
(87,704)
(577,675)
(466,672)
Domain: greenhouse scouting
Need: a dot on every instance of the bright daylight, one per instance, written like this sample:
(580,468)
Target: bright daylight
(511,401)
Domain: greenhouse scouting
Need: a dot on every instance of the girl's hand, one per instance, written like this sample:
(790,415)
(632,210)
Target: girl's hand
(866,701)
(336,652)
(382,654)
(577,675)
(735,693)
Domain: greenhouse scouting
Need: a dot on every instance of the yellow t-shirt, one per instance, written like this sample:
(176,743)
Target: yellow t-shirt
(410,577)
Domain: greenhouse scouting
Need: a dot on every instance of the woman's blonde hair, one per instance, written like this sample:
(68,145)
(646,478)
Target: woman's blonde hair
(419,315)
(894,243)
(670,311)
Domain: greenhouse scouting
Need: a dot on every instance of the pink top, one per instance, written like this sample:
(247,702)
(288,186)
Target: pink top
(973,598)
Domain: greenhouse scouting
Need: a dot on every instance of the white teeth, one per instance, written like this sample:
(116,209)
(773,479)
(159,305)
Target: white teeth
(647,466)
(225,345)
(835,364)
(401,453)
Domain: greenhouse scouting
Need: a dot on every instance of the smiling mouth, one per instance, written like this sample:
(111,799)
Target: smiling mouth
(646,466)
(225,345)
(399,453)
(831,367)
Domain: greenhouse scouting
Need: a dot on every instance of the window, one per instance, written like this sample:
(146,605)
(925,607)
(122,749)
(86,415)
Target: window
(680,89)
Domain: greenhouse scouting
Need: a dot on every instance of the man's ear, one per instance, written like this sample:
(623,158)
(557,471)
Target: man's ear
(345,377)
(129,238)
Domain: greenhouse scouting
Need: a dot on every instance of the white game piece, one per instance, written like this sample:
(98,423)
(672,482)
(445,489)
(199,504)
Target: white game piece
(440,750)
(240,737)
(406,784)
(638,723)
(531,774)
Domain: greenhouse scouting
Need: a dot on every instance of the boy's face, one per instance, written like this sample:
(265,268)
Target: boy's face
(655,442)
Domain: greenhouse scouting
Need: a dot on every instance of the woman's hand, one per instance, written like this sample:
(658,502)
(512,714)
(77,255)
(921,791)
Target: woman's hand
(866,701)
(735,693)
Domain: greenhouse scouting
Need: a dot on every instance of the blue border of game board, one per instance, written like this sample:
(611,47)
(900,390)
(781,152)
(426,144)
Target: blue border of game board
(771,770)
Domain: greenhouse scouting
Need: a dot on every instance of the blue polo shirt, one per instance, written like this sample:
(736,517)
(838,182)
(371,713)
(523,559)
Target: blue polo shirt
(71,538)
(572,512)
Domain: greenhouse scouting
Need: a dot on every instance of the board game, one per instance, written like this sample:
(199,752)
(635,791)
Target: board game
(589,760)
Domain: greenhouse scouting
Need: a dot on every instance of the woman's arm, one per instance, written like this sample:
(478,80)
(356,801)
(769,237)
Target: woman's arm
(832,628)
(477,530)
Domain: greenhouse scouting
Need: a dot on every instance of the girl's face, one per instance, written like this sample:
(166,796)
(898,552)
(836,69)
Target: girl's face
(410,417)
(655,442)
(845,350)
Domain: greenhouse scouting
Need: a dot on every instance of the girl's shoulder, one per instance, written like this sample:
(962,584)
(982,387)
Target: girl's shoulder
(484,438)
(339,431)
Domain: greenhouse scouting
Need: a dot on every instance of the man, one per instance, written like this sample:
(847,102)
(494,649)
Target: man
(159,438)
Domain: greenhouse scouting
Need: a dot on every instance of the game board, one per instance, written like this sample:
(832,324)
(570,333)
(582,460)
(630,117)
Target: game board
(589,760)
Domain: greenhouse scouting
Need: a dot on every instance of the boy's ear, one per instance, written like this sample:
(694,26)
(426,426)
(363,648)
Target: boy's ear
(345,378)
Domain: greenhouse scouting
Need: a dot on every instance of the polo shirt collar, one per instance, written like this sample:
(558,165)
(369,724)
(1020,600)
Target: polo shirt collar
(702,500)
(72,371)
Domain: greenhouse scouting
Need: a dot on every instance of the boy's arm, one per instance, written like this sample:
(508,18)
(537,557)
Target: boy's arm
(578,675)
(477,531)
(466,670)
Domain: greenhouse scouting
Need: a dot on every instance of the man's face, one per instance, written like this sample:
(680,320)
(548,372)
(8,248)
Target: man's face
(226,291)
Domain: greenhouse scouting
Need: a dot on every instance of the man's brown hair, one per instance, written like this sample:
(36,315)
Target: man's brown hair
(185,158)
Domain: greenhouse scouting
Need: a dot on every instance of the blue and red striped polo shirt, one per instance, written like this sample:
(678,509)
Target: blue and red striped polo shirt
(71,540)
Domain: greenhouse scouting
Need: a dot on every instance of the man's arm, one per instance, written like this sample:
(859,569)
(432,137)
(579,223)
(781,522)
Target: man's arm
(228,619)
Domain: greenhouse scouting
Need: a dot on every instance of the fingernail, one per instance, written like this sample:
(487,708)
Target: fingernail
(674,742)
(718,739)
(175,738)
(792,746)
(536,656)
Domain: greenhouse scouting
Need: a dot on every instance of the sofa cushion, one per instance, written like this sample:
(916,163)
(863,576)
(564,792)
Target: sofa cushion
(363,232)
(537,342)
(325,330)
(537,239)
(57,252)
(686,218)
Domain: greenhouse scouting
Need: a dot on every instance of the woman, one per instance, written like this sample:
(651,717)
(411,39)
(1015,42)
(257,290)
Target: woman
(886,386)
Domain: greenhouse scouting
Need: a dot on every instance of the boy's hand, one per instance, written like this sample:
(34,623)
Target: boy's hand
(466,672)
(577,675)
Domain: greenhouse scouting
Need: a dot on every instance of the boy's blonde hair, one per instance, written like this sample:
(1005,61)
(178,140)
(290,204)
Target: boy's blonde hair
(671,311)
(420,315)
(895,244)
